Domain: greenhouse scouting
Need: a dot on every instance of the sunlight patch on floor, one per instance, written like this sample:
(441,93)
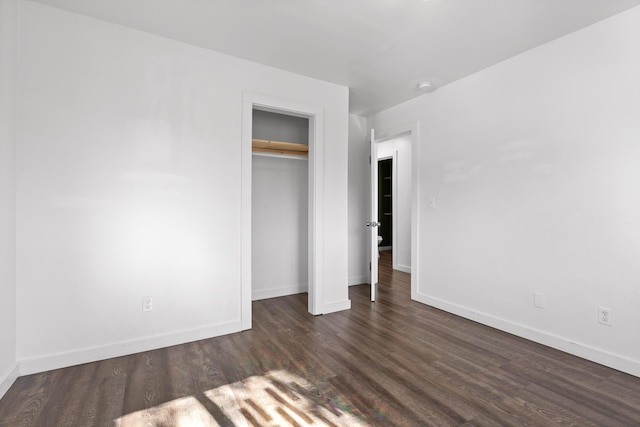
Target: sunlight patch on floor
(180,412)
(277,398)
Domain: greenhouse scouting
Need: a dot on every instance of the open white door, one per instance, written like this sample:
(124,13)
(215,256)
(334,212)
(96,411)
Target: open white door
(373,218)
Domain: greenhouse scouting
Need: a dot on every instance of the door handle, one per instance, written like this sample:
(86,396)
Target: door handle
(373,224)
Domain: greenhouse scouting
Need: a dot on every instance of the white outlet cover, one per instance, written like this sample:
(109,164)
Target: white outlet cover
(147,304)
(539,300)
(605,316)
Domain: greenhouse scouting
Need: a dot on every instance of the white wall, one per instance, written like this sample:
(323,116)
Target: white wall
(399,148)
(8,367)
(358,200)
(534,166)
(279,210)
(280,127)
(279,227)
(128,181)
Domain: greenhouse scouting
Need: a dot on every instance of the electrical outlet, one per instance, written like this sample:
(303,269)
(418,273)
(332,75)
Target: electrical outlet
(605,316)
(539,300)
(147,304)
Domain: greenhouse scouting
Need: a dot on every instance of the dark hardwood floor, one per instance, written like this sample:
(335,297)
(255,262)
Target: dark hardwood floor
(395,362)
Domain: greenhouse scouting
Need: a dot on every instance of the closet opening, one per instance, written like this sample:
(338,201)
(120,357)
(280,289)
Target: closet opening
(280,204)
(312,119)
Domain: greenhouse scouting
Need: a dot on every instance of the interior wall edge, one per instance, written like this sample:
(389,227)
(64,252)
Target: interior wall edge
(358,280)
(49,362)
(334,307)
(279,292)
(567,345)
(8,287)
(8,378)
(403,268)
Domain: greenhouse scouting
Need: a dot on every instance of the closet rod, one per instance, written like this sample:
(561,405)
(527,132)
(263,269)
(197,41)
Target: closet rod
(279,147)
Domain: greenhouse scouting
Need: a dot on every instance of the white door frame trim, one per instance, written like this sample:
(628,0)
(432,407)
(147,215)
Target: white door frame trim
(414,130)
(251,100)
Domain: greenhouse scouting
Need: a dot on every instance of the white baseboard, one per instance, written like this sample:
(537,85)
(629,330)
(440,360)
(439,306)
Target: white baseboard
(403,268)
(124,348)
(358,280)
(585,351)
(336,306)
(278,292)
(8,378)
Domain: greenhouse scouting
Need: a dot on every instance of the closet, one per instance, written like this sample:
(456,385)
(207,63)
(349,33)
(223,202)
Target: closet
(279,205)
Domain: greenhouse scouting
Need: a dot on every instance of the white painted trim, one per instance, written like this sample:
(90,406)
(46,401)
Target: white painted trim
(8,378)
(403,268)
(336,306)
(415,208)
(372,232)
(316,208)
(358,280)
(394,210)
(279,292)
(585,351)
(124,348)
(251,100)
(8,84)
(245,213)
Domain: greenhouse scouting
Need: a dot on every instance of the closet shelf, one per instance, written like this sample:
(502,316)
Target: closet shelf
(278,147)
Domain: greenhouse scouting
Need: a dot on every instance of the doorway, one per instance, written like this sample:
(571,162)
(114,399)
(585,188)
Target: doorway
(385,204)
(315,185)
(279,205)
(394,156)
(400,145)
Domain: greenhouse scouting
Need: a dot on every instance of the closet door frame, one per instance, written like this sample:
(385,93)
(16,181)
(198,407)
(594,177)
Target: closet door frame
(251,101)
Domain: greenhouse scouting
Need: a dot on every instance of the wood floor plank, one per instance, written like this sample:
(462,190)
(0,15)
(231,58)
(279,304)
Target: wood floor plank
(392,362)
(393,389)
(105,398)
(583,394)
(27,406)
(66,410)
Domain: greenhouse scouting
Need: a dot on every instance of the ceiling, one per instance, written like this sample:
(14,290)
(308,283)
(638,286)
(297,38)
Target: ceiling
(380,49)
